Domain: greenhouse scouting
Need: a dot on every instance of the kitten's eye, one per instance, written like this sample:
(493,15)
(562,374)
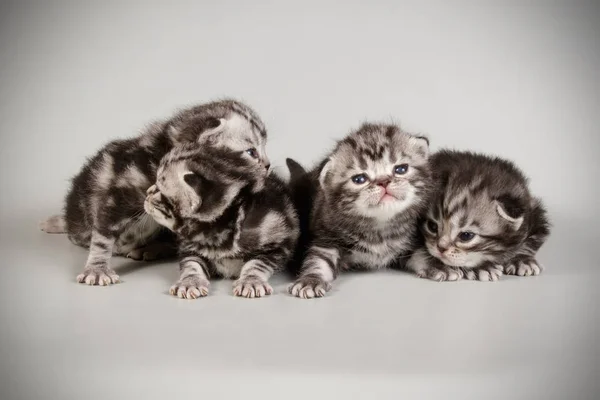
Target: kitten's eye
(252,152)
(432,226)
(360,179)
(401,169)
(466,236)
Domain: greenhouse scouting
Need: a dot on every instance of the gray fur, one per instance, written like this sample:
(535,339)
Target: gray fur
(231,216)
(353,226)
(489,198)
(104,208)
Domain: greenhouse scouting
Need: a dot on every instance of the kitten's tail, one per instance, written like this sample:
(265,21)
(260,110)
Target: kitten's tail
(296,170)
(54,224)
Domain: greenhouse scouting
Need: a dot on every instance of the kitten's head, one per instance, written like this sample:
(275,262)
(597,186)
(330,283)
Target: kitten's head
(201,183)
(479,214)
(227,124)
(376,172)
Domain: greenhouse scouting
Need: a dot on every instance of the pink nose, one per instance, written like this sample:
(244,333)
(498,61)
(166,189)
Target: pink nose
(382,182)
(441,248)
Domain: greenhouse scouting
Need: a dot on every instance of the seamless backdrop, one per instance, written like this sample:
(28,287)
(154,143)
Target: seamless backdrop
(517,79)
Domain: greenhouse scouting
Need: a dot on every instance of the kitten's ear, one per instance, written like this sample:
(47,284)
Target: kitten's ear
(194,181)
(195,128)
(420,145)
(325,169)
(510,209)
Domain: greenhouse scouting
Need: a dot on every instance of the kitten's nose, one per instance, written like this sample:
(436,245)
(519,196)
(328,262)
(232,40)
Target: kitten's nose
(441,248)
(267,166)
(383,182)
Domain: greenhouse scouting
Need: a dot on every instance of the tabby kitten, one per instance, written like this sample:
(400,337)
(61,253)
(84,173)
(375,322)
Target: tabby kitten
(104,208)
(359,207)
(232,218)
(482,221)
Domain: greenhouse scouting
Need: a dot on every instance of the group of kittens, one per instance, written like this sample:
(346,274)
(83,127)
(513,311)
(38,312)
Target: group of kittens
(200,185)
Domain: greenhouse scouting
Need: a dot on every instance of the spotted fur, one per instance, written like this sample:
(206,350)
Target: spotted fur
(368,225)
(104,207)
(232,218)
(482,223)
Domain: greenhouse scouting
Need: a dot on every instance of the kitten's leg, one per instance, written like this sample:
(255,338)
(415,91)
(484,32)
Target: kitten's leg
(424,265)
(319,270)
(255,274)
(54,224)
(193,279)
(97,270)
(487,273)
(525,263)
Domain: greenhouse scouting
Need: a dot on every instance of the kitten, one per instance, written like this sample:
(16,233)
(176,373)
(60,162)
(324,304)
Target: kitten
(232,218)
(482,221)
(359,207)
(105,206)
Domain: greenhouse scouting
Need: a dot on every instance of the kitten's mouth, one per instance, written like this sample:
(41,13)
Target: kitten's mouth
(151,207)
(387,198)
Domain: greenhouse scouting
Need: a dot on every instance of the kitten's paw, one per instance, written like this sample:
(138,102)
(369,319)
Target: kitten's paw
(441,274)
(489,273)
(251,287)
(98,276)
(309,287)
(190,288)
(526,267)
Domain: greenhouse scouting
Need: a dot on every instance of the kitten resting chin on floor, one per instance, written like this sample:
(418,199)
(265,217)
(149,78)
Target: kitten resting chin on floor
(232,218)
(481,223)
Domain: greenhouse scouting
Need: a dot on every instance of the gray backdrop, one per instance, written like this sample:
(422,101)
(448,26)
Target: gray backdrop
(518,80)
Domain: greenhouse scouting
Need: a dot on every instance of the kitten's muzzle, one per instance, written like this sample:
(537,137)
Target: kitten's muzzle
(383,182)
(154,200)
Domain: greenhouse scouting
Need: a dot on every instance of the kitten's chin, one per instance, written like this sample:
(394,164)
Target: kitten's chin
(385,209)
(387,198)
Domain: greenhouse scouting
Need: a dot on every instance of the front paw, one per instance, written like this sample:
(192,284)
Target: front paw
(441,273)
(190,288)
(307,287)
(524,267)
(488,273)
(251,287)
(98,276)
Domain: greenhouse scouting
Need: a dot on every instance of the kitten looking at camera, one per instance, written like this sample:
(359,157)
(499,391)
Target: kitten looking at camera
(105,206)
(482,221)
(359,207)
(232,218)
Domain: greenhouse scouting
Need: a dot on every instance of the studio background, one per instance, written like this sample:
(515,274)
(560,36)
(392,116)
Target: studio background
(513,79)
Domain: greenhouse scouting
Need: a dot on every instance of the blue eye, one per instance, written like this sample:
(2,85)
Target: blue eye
(401,169)
(252,152)
(359,179)
(466,236)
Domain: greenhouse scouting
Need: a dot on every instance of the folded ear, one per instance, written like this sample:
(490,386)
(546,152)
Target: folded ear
(420,145)
(325,170)
(193,129)
(510,209)
(193,200)
(194,181)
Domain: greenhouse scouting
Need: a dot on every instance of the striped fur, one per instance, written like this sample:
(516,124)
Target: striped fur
(369,225)
(488,198)
(232,218)
(104,207)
